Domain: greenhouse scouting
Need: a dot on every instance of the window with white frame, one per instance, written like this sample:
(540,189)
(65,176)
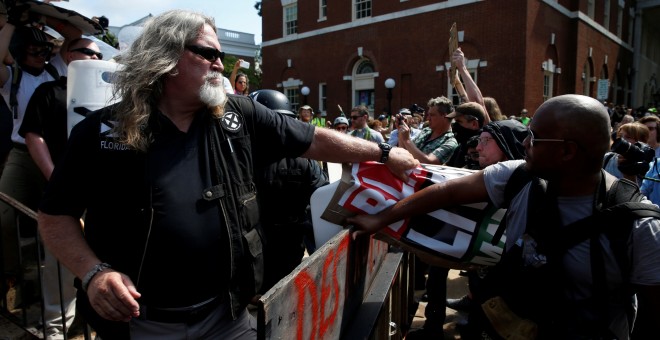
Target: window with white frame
(363,84)
(293,93)
(549,69)
(606,14)
(291,19)
(323,9)
(362,9)
(619,21)
(591,8)
(548,83)
(323,97)
(586,79)
(453,95)
(631,21)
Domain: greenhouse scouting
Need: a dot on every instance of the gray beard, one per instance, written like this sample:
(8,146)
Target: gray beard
(213,94)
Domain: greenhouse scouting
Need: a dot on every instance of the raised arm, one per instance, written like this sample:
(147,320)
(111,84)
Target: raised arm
(471,88)
(234,72)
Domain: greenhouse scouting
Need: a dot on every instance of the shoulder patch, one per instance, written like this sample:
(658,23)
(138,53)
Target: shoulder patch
(231,121)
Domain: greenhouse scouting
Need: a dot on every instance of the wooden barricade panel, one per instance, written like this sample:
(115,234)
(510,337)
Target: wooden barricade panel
(318,299)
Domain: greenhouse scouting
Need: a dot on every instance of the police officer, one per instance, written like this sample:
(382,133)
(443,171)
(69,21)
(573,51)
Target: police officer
(284,189)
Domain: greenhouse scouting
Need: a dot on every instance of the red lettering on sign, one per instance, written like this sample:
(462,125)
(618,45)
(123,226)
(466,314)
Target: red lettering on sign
(329,295)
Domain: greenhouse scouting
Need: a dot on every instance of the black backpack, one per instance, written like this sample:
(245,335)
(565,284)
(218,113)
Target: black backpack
(536,294)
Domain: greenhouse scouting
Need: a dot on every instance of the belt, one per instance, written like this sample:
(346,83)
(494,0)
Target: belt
(188,315)
(19,146)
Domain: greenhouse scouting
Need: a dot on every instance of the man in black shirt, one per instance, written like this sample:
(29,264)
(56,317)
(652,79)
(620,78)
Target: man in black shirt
(165,177)
(44,128)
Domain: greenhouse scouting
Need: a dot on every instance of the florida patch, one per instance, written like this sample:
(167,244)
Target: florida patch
(231,121)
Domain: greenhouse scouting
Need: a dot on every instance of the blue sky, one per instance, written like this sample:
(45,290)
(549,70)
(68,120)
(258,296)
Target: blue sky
(237,15)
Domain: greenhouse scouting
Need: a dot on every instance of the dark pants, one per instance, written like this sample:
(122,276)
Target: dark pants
(436,290)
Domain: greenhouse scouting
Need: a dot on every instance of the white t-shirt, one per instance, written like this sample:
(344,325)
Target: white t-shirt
(25,90)
(645,240)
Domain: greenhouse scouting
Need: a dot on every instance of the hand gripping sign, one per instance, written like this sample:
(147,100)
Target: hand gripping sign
(459,237)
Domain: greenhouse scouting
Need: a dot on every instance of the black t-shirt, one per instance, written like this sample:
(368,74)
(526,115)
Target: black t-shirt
(178,173)
(45,115)
(186,258)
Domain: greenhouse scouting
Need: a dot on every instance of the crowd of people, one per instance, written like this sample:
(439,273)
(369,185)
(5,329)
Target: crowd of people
(154,251)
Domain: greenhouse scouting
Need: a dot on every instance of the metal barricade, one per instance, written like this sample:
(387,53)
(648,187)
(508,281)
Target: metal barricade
(23,320)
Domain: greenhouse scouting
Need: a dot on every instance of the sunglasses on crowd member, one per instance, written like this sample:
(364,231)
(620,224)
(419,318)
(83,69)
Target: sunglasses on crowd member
(43,52)
(355,117)
(209,53)
(88,51)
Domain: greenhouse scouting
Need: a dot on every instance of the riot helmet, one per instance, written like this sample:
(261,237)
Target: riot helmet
(273,100)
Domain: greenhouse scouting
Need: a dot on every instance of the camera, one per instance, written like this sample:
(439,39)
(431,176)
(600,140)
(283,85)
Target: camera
(637,156)
(416,109)
(399,119)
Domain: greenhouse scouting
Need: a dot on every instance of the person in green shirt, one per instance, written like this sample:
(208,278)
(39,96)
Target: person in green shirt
(524,118)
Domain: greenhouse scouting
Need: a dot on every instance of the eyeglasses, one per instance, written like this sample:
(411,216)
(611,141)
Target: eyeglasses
(356,117)
(341,128)
(44,52)
(88,51)
(533,140)
(209,53)
(484,140)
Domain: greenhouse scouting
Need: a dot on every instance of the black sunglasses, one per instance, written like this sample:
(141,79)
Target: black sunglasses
(209,53)
(44,52)
(88,51)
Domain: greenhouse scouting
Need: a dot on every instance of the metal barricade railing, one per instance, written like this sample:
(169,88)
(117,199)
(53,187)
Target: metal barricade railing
(26,320)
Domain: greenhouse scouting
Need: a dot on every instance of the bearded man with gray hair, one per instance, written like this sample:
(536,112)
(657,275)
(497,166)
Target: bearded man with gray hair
(172,241)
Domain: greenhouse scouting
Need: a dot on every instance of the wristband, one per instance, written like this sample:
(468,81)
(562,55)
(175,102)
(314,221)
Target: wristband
(92,272)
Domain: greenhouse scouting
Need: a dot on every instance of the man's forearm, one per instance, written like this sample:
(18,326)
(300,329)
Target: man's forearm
(463,190)
(63,237)
(39,153)
(333,146)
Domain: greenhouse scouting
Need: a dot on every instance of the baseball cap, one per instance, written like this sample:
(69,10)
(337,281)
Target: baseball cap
(340,120)
(381,117)
(404,111)
(469,109)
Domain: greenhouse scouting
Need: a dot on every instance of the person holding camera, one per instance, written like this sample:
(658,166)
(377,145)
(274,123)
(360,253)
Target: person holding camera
(404,117)
(630,155)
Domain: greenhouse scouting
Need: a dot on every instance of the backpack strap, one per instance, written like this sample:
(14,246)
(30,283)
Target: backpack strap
(17,75)
(52,71)
(519,178)
(517,181)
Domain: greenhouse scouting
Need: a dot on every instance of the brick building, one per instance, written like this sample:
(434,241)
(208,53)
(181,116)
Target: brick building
(519,52)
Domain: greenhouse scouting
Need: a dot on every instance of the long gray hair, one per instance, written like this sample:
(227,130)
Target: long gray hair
(152,57)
